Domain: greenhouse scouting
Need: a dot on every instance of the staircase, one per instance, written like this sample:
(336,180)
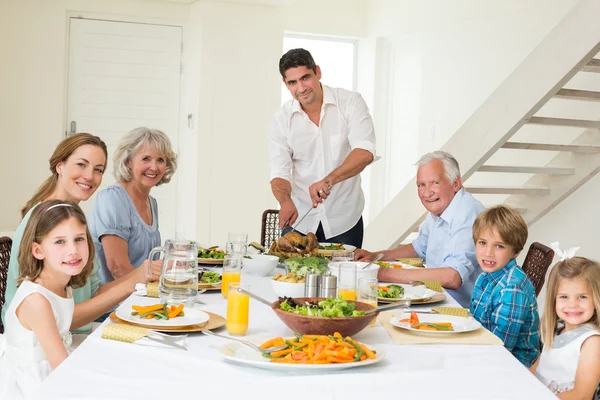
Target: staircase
(533,142)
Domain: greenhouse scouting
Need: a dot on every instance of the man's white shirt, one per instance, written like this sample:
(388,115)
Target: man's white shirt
(303,153)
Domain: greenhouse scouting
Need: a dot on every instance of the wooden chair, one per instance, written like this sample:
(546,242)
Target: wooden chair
(270,228)
(5,246)
(537,261)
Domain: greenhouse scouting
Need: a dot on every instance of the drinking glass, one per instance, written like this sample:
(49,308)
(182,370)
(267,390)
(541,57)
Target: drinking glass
(342,255)
(237,237)
(347,281)
(232,268)
(236,248)
(238,306)
(366,292)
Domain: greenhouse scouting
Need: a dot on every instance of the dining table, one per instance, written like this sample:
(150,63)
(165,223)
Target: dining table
(108,369)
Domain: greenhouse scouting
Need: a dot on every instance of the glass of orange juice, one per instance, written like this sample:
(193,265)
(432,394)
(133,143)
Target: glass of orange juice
(238,307)
(347,281)
(366,292)
(232,270)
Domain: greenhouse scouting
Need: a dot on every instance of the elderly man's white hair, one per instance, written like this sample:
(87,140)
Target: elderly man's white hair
(450,164)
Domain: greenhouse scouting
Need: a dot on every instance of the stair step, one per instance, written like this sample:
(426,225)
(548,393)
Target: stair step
(508,190)
(592,66)
(527,170)
(572,94)
(551,147)
(578,123)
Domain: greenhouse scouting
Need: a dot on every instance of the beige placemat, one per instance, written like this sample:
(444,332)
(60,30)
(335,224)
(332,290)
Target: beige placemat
(401,336)
(456,311)
(152,289)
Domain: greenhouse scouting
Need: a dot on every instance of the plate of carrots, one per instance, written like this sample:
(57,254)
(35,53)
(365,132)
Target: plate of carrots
(312,352)
(435,323)
(162,315)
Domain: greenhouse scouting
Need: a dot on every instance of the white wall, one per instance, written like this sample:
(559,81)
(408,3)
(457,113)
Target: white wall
(33,69)
(465,49)
(230,87)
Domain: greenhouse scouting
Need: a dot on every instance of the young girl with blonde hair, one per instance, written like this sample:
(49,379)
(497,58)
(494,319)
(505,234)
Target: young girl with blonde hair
(56,256)
(570,360)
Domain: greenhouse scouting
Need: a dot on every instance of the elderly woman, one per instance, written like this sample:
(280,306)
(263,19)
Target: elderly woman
(124,222)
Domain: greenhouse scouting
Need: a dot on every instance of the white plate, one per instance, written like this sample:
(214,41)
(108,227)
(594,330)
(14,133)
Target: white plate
(411,293)
(347,247)
(192,316)
(241,354)
(460,324)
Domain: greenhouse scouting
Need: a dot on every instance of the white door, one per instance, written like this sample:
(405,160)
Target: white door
(122,76)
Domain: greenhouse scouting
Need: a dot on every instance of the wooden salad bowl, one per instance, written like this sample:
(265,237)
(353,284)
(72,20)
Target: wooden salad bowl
(308,325)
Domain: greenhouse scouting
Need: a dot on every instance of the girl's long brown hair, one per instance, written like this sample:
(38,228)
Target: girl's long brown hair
(62,152)
(571,268)
(43,220)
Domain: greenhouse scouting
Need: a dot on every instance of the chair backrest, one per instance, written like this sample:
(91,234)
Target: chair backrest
(270,228)
(5,246)
(537,261)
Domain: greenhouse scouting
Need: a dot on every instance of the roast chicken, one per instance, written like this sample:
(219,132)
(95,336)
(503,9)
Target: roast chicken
(293,244)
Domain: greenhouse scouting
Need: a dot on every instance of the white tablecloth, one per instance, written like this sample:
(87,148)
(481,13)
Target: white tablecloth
(105,369)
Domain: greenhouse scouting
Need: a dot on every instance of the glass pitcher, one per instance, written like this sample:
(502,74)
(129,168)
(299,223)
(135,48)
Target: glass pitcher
(178,282)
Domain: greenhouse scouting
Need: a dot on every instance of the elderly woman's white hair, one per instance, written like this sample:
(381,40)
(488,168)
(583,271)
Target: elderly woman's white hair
(136,140)
(450,164)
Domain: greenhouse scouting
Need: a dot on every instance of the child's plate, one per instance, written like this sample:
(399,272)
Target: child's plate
(192,316)
(459,324)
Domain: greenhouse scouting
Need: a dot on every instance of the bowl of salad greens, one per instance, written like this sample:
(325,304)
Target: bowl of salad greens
(320,316)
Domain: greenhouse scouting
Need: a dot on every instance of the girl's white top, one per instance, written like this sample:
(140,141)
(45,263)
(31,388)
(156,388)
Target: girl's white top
(23,364)
(558,365)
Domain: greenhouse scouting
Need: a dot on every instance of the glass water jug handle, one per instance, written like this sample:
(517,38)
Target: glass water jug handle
(151,257)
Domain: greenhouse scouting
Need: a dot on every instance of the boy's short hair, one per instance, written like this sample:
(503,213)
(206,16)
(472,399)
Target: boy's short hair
(509,224)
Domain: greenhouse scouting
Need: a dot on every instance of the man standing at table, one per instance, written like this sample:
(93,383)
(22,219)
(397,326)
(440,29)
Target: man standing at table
(445,239)
(320,141)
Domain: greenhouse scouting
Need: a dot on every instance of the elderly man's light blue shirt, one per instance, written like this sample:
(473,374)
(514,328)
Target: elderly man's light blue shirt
(447,241)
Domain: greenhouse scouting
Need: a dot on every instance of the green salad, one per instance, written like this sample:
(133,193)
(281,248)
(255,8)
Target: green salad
(209,277)
(302,266)
(325,308)
(390,292)
(211,252)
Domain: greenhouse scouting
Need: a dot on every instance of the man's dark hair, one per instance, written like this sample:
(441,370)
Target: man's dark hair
(295,58)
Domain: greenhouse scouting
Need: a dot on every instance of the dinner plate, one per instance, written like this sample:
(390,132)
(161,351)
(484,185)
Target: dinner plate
(215,321)
(413,293)
(192,316)
(209,286)
(328,253)
(460,324)
(438,297)
(214,261)
(241,354)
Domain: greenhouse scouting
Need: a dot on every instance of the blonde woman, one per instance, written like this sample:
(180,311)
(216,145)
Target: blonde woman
(77,167)
(124,222)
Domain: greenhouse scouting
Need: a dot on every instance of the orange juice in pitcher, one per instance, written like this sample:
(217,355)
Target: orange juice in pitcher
(347,294)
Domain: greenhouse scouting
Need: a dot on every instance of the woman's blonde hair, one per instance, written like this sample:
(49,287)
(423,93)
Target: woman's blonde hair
(44,219)
(62,152)
(571,268)
(136,140)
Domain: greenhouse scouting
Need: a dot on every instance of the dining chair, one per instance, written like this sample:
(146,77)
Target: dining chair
(270,228)
(537,261)
(5,246)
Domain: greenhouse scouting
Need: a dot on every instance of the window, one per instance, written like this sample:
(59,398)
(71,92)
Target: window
(335,57)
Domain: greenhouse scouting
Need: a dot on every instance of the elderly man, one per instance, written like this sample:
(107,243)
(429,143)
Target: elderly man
(445,239)
(320,141)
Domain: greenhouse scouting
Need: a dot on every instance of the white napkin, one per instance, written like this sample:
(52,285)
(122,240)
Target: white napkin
(140,289)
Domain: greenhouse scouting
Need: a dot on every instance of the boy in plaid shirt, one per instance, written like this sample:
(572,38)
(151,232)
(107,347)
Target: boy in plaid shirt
(503,299)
